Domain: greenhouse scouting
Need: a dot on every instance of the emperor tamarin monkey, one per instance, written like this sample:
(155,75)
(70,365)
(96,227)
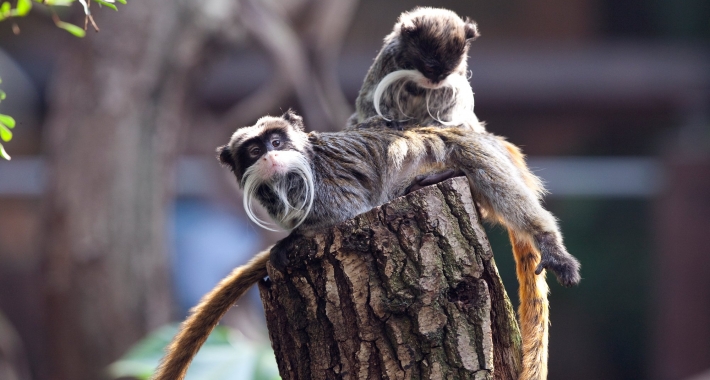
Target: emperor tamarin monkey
(310,181)
(420,74)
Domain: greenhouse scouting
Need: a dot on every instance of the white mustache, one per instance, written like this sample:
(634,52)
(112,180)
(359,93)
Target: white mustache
(289,216)
(453,81)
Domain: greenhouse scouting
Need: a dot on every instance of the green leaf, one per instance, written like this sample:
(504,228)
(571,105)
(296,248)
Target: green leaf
(7,120)
(109,5)
(225,355)
(5,133)
(58,3)
(23,7)
(5,8)
(71,28)
(2,95)
(122,1)
(3,153)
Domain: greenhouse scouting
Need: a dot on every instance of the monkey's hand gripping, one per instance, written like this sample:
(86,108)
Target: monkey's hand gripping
(553,255)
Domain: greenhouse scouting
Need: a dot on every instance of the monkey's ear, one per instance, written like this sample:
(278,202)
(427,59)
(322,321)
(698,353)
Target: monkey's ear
(408,28)
(225,156)
(471,29)
(294,119)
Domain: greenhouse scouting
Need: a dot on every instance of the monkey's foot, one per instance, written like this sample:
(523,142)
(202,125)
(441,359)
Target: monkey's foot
(554,257)
(425,180)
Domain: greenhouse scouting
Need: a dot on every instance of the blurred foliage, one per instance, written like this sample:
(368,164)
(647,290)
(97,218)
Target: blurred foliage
(22,9)
(6,124)
(226,354)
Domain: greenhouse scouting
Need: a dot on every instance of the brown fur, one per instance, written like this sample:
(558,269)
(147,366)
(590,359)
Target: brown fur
(205,316)
(533,310)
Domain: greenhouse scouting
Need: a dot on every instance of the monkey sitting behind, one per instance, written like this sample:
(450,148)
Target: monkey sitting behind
(419,75)
(308,182)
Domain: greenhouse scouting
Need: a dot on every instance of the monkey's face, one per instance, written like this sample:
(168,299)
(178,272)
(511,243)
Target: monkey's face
(435,43)
(271,166)
(267,155)
(269,148)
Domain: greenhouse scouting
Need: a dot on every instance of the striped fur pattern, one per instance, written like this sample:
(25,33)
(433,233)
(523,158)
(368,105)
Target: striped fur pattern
(420,74)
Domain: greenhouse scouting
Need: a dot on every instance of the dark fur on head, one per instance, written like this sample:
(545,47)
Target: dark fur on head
(434,41)
(420,74)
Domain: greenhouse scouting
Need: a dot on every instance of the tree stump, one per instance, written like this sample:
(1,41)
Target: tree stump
(408,290)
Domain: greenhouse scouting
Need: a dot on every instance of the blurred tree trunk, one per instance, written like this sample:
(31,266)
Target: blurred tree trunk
(117,107)
(303,39)
(408,290)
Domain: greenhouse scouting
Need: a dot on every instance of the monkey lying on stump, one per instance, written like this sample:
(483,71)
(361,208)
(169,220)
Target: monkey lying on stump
(311,181)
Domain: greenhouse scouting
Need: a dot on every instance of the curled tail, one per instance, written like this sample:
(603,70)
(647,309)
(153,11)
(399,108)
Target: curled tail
(206,315)
(533,311)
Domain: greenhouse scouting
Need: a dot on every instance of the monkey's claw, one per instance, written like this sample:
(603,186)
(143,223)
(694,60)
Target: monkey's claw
(565,268)
(554,257)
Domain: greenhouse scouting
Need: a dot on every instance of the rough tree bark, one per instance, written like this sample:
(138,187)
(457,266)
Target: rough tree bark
(408,290)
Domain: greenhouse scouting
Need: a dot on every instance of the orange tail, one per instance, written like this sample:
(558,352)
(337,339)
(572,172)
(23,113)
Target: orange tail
(206,314)
(534,311)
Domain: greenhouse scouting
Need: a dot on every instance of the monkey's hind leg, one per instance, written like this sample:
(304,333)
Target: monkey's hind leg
(500,188)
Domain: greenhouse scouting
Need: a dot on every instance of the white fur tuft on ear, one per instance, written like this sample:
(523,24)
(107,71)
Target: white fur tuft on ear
(294,119)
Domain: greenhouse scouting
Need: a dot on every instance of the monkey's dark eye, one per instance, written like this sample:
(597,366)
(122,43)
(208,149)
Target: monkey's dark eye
(254,151)
(275,143)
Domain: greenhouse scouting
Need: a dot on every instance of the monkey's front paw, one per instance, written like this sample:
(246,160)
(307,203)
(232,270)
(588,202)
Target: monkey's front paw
(555,257)
(565,268)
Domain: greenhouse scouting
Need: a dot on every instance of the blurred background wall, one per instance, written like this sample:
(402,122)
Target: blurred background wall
(115,217)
